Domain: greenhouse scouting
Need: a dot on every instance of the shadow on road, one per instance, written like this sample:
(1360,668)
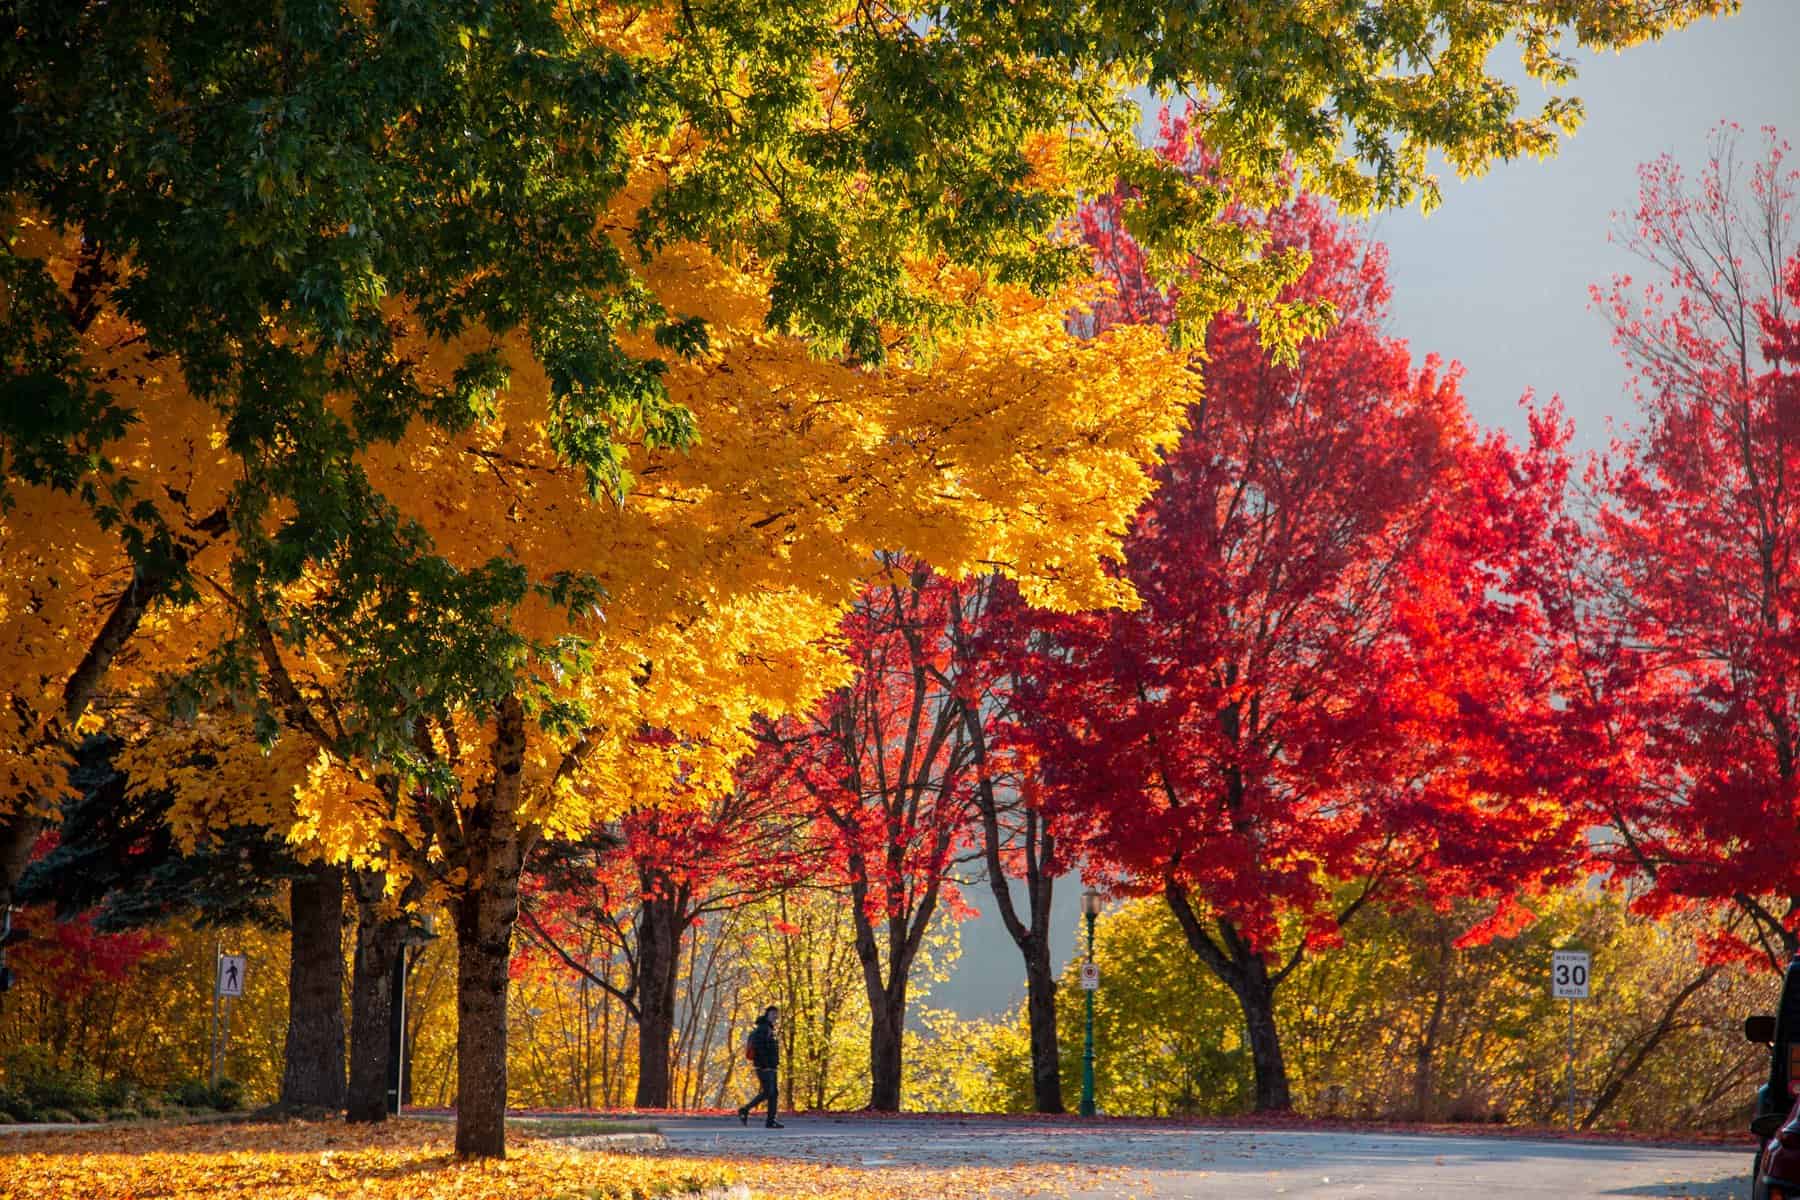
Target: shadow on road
(1695,1189)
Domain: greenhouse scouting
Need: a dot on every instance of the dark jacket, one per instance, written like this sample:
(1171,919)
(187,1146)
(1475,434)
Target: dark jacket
(765,1048)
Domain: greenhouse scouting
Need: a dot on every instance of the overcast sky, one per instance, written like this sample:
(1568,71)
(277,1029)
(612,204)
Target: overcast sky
(1497,278)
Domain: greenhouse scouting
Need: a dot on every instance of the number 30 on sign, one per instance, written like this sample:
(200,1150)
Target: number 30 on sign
(1569,971)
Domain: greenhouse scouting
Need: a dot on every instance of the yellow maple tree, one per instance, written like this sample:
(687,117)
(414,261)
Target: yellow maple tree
(720,580)
(73,597)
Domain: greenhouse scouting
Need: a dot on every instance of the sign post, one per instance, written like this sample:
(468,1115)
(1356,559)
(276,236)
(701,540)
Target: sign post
(228,984)
(1570,974)
(212,1028)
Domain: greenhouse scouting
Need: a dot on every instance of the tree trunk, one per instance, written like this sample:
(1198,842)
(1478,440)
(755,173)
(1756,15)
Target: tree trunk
(1240,967)
(1425,1056)
(313,1061)
(486,909)
(887,1023)
(1665,1025)
(380,938)
(1038,844)
(1256,995)
(484,922)
(1040,1012)
(659,947)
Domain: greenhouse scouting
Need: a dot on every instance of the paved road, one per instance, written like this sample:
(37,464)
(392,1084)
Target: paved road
(1235,1164)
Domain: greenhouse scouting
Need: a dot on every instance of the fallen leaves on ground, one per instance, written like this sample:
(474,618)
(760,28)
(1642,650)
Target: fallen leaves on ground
(413,1160)
(305,1160)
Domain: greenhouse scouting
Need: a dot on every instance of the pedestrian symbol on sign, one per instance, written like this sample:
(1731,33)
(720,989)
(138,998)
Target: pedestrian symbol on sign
(231,975)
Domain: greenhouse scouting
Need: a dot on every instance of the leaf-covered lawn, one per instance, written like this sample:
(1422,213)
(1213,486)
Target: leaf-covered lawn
(398,1160)
(412,1160)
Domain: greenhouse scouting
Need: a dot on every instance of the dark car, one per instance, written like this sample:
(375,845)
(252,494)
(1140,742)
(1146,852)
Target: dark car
(1777,1171)
(1776,1119)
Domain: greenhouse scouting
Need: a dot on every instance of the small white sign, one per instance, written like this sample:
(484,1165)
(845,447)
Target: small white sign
(1090,976)
(231,975)
(1570,971)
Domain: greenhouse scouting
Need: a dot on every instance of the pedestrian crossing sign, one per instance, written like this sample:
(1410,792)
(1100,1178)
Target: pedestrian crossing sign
(231,975)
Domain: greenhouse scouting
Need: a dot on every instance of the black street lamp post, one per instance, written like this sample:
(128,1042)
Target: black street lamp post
(1090,908)
(411,946)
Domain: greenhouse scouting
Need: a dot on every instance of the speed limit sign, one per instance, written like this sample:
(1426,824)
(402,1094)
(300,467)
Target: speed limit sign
(1569,974)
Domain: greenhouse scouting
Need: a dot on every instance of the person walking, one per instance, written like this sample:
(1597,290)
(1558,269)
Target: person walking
(763,1049)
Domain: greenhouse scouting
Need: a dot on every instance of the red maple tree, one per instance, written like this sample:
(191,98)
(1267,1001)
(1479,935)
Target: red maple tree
(1021,840)
(885,767)
(1336,690)
(633,890)
(1687,613)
